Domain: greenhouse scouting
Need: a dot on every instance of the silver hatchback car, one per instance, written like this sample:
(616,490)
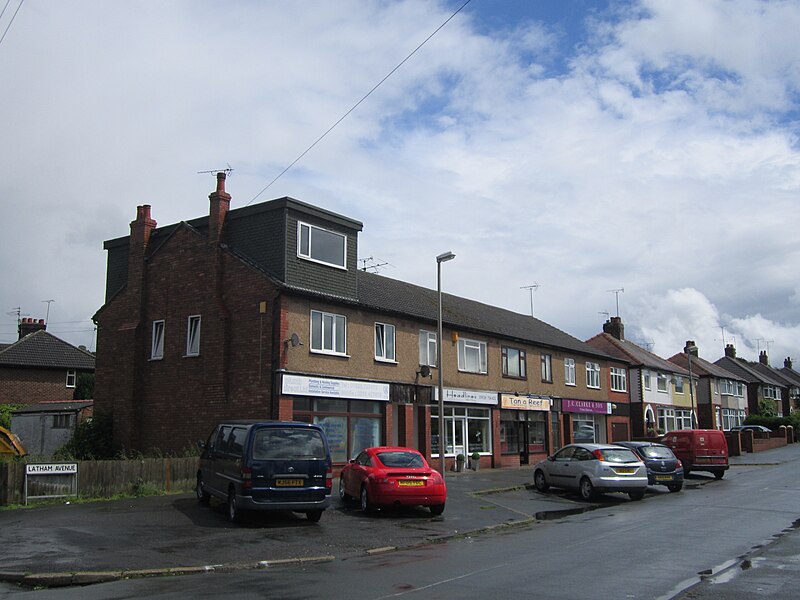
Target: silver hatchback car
(593,468)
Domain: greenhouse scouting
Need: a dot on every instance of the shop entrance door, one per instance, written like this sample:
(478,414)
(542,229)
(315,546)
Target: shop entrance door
(459,436)
(524,447)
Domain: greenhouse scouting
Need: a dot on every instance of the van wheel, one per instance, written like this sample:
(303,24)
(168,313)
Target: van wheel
(202,495)
(719,474)
(636,495)
(234,514)
(540,482)
(586,489)
(314,515)
(366,505)
(675,488)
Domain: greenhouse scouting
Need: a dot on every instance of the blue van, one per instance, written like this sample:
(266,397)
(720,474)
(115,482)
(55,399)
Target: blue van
(266,465)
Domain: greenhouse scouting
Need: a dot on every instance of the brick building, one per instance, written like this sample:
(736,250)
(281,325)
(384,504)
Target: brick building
(39,367)
(260,312)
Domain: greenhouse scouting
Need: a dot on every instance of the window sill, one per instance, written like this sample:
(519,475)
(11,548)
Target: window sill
(386,361)
(325,353)
(155,358)
(473,373)
(190,355)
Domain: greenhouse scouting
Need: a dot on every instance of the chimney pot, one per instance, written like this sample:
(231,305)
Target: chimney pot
(730,351)
(615,328)
(787,362)
(763,358)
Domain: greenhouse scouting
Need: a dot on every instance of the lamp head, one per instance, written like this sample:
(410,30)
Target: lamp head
(444,257)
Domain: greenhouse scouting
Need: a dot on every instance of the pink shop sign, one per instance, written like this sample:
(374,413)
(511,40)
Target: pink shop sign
(585,406)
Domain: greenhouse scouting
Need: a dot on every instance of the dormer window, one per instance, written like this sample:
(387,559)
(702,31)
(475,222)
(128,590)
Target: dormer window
(321,245)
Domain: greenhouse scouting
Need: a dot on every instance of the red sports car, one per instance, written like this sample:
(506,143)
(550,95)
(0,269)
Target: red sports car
(392,476)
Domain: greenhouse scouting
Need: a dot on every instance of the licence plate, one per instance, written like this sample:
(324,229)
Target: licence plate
(289,482)
(625,470)
(663,477)
(410,483)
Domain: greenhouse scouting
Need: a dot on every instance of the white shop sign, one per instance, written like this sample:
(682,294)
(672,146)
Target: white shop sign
(298,385)
(466,396)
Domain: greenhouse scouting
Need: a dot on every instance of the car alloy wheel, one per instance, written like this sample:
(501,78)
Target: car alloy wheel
(202,495)
(366,505)
(233,510)
(342,493)
(586,489)
(540,482)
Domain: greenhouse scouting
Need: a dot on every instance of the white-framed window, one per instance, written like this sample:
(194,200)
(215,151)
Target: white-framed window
(427,348)
(321,245)
(471,356)
(514,362)
(328,333)
(619,379)
(666,419)
(662,382)
(72,377)
(193,336)
(646,377)
(683,419)
(569,371)
(678,384)
(593,375)
(384,342)
(740,389)
(770,392)
(547,368)
(157,341)
(716,390)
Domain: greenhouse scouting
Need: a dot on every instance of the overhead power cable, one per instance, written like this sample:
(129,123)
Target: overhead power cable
(12,18)
(356,105)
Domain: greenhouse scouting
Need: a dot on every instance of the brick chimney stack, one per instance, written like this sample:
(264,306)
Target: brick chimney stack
(220,202)
(28,326)
(615,328)
(141,229)
(787,362)
(691,347)
(730,351)
(763,358)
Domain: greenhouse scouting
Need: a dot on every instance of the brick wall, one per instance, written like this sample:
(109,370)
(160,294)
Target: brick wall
(31,386)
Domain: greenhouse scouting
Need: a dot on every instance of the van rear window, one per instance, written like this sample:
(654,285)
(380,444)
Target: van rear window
(288,443)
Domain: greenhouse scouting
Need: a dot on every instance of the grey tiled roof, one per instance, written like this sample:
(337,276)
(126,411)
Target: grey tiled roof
(748,371)
(638,356)
(44,350)
(404,299)
(700,366)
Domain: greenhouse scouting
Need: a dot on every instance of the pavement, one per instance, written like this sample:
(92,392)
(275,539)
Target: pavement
(80,543)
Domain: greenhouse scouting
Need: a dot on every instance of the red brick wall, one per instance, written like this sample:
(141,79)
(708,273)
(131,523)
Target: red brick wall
(173,402)
(31,386)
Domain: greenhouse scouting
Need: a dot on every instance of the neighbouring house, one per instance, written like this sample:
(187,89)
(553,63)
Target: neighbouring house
(767,389)
(660,398)
(43,428)
(261,312)
(793,377)
(721,395)
(39,367)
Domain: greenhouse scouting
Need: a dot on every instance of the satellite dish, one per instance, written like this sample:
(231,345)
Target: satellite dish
(425,371)
(295,340)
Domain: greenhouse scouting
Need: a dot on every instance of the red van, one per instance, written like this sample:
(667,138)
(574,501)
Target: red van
(699,450)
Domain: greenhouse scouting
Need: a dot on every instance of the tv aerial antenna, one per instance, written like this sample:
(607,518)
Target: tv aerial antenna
(531,288)
(227,171)
(616,296)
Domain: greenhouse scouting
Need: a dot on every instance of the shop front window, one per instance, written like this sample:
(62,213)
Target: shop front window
(467,430)
(583,429)
(350,425)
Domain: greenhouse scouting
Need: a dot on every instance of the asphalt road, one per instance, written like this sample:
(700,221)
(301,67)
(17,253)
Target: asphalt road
(660,545)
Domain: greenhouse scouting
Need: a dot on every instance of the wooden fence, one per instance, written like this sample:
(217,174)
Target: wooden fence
(108,478)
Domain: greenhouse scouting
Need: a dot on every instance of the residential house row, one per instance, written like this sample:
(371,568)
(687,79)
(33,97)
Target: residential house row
(261,312)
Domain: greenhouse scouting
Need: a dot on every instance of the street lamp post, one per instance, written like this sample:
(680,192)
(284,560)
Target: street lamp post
(444,257)
(691,348)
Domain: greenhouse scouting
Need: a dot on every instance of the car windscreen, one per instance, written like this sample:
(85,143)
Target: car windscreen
(288,443)
(618,455)
(657,452)
(396,458)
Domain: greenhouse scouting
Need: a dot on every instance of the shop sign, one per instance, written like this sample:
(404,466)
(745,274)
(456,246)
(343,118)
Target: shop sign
(525,402)
(297,385)
(467,396)
(586,406)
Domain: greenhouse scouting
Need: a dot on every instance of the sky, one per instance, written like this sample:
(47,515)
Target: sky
(649,147)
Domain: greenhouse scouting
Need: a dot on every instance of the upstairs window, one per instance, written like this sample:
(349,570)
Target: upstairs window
(679,385)
(193,336)
(513,362)
(593,375)
(427,348)
(328,333)
(662,382)
(646,380)
(384,342)
(157,341)
(547,368)
(71,379)
(321,245)
(619,380)
(771,392)
(471,356)
(569,371)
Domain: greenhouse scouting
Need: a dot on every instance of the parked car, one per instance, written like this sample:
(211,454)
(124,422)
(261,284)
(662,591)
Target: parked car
(593,468)
(759,428)
(266,465)
(699,450)
(392,476)
(663,467)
